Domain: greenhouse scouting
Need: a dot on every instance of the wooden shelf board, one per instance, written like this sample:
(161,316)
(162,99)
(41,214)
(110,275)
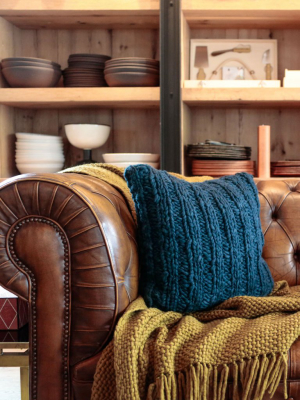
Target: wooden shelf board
(243,98)
(81,14)
(95,21)
(42,7)
(144,97)
(240,14)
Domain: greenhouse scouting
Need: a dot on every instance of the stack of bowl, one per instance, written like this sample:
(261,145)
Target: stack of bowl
(22,72)
(39,153)
(132,71)
(125,159)
(85,70)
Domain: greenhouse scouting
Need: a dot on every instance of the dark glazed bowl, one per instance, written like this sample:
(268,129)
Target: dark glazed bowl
(30,77)
(131,79)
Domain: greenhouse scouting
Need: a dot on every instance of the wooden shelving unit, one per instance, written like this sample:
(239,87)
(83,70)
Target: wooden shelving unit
(54,30)
(69,98)
(246,98)
(242,14)
(80,14)
(232,115)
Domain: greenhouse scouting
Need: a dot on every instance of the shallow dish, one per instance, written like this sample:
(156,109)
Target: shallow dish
(39,168)
(130,157)
(112,70)
(9,64)
(131,79)
(87,136)
(30,59)
(41,159)
(49,147)
(37,136)
(127,164)
(133,59)
(31,76)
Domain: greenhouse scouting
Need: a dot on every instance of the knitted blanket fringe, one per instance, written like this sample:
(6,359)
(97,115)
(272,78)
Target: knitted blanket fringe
(207,382)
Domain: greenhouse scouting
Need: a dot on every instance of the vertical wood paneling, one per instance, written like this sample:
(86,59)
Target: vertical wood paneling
(7,142)
(140,126)
(240,125)
(136,131)
(8,34)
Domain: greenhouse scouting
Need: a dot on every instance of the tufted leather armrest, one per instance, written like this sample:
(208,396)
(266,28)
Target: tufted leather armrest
(68,247)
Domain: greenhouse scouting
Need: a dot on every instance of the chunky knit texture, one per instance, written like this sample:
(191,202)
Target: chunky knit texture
(115,177)
(199,243)
(158,355)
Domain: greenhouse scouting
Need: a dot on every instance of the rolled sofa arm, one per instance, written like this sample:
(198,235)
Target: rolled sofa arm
(68,247)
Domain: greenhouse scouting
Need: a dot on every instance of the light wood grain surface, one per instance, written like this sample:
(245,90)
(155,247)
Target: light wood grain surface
(233,115)
(48,110)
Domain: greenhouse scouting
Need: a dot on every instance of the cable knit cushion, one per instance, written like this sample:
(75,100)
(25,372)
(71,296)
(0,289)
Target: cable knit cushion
(199,243)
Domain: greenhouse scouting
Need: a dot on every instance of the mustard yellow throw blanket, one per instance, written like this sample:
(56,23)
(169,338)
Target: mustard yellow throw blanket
(158,355)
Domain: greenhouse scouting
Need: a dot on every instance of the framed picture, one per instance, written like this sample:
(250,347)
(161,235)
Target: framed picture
(228,59)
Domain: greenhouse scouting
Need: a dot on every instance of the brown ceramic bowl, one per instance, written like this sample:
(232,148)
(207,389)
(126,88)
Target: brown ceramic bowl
(29,59)
(146,70)
(131,79)
(139,60)
(28,64)
(86,55)
(22,77)
(131,64)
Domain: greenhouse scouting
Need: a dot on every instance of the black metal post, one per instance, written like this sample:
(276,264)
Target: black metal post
(170,93)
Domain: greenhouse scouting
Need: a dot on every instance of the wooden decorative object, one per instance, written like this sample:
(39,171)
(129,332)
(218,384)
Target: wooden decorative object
(264,150)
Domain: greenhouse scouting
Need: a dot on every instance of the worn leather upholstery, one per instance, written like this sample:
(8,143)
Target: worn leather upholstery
(68,247)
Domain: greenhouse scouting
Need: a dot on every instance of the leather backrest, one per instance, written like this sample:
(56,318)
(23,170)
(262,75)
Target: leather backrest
(280,219)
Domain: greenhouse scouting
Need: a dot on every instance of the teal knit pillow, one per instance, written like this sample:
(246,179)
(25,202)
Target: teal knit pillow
(199,243)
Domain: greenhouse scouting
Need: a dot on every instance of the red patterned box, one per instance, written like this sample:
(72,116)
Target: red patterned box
(13,311)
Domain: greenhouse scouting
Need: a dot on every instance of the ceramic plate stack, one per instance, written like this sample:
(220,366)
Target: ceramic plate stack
(85,70)
(126,159)
(217,151)
(39,153)
(217,168)
(26,72)
(285,168)
(132,71)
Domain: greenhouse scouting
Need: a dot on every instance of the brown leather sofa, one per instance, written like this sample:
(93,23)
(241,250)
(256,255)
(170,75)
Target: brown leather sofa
(68,247)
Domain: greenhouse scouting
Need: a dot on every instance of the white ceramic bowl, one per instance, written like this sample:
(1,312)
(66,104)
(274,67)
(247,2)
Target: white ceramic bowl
(38,153)
(38,137)
(127,164)
(31,160)
(33,145)
(39,168)
(130,157)
(87,136)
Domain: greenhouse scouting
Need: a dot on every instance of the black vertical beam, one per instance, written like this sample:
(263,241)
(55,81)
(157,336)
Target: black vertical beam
(170,100)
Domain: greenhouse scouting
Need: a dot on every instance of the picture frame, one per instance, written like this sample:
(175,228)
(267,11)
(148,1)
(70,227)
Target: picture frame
(256,57)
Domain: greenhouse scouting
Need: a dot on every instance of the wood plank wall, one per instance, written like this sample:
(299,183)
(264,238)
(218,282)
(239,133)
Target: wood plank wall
(132,130)
(240,125)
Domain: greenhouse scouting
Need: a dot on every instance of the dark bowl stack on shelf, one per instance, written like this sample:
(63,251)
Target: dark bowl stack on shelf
(285,168)
(132,72)
(85,70)
(218,159)
(30,72)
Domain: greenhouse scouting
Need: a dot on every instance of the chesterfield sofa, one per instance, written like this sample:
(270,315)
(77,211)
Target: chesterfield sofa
(68,247)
